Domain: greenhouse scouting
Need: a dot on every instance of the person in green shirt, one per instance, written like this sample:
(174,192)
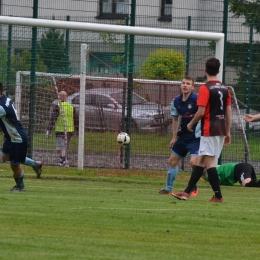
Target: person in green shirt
(230,173)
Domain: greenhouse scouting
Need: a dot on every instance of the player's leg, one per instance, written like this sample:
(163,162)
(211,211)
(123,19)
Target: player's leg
(36,165)
(18,175)
(245,174)
(17,155)
(178,151)
(195,176)
(7,146)
(212,149)
(171,174)
(193,148)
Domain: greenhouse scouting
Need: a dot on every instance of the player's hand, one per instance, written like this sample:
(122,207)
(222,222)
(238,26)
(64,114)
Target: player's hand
(189,127)
(227,140)
(172,142)
(248,118)
(47,134)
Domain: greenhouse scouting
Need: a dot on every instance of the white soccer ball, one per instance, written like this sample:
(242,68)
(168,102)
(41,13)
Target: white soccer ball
(123,138)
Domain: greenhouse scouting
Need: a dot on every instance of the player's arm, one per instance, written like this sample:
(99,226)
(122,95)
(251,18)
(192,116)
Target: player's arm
(202,101)
(175,127)
(228,118)
(175,123)
(249,118)
(228,125)
(199,114)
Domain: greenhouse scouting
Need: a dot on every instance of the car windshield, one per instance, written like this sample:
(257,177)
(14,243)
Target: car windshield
(136,100)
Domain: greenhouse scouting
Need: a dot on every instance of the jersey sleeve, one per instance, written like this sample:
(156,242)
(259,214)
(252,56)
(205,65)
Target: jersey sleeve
(2,112)
(174,112)
(203,96)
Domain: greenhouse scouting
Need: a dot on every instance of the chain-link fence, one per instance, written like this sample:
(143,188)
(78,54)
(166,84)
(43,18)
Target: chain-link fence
(27,51)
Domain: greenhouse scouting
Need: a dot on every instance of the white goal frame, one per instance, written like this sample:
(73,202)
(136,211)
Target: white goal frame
(119,29)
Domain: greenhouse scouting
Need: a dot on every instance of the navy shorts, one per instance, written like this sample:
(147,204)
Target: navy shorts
(183,146)
(243,171)
(16,151)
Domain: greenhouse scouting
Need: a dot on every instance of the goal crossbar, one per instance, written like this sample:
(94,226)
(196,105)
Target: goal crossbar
(143,31)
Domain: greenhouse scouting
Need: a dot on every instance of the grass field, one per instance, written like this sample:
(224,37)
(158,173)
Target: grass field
(116,214)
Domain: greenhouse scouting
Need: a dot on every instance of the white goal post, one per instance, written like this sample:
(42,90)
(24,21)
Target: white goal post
(143,31)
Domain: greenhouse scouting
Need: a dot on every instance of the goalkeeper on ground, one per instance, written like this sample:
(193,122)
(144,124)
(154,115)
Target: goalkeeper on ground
(230,173)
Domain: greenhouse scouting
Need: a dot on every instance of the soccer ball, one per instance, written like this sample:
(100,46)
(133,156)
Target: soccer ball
(123,138)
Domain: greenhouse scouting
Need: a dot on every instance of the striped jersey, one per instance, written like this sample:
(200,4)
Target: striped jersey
(9,122)
(186,110)
(215,97)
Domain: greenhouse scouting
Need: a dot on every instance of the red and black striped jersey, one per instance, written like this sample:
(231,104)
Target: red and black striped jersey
(215,97)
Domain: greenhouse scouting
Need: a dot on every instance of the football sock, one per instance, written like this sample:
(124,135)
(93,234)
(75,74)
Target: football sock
(196,185)
(214,182)
(28,161)
(253,183)
(19,181)
(194,178)
(171,176)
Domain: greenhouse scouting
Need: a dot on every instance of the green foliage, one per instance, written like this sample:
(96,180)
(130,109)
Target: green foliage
(23,63)
(3,64)
(52,51)
(164,64)
(248,10)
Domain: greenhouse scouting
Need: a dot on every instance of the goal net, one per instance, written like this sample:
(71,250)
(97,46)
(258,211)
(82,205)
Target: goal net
(103,122)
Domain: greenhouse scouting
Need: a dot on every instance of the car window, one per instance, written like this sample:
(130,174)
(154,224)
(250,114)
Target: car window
(89,99)
(102,101)
(75,100)
(135,98)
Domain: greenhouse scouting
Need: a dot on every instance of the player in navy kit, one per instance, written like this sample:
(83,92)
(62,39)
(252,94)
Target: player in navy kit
(15,142)
(214,110)
(183,142)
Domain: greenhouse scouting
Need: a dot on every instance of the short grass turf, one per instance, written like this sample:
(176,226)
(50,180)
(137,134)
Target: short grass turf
(120,215)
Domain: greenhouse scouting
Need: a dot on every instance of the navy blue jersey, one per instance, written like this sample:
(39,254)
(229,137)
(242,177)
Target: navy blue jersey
(9,122)
(186,110)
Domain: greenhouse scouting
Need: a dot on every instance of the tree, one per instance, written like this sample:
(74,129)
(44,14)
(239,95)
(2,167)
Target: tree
(237,53)
(247,9)
(52,51)
(164,64)
(23,63)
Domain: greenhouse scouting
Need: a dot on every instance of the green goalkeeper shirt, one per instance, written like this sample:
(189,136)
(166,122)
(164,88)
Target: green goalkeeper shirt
(225,174)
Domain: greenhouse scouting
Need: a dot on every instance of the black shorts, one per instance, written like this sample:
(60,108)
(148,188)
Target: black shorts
(243,171)
(16,151)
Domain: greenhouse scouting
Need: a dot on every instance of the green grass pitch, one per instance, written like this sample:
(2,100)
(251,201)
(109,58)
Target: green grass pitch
(108,214)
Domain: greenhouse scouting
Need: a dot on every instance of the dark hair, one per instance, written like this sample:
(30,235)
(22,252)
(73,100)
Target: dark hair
(212,66)
(1,88)
(189,78)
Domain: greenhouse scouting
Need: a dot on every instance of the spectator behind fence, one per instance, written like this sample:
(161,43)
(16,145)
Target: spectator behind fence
(15,142)
(63,117)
